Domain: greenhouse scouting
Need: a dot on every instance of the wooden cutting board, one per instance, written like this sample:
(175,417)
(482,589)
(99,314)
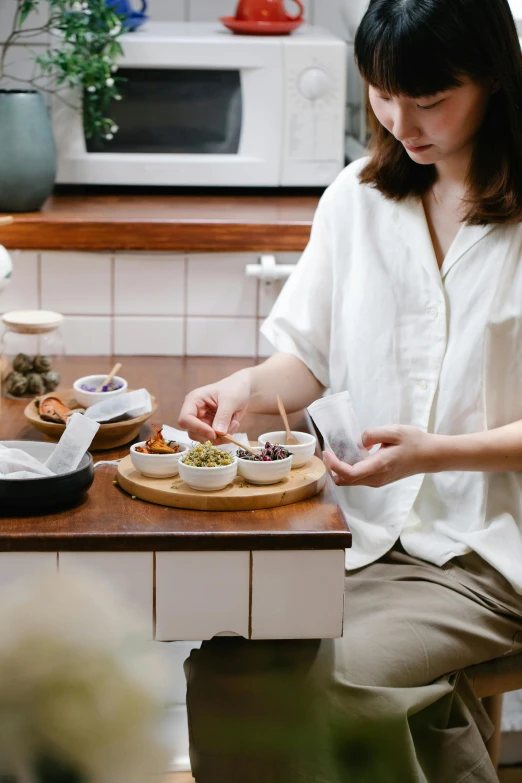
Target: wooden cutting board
(300,484)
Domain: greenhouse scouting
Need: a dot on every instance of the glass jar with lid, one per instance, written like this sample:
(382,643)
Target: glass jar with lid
(31,352)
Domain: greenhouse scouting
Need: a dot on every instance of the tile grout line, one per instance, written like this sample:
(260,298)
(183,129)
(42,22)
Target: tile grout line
(113,304)
(185,305)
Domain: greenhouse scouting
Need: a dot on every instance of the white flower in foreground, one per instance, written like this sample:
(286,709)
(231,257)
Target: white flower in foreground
(76,7)
(91,88)
(116,29)
(79,682)
(109,82)
(114,128)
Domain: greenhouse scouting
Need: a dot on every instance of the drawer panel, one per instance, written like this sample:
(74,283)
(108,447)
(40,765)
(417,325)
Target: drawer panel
(297,594)
(201,594)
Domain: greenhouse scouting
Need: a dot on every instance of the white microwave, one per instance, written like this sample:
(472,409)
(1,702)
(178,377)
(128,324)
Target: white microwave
(204,107)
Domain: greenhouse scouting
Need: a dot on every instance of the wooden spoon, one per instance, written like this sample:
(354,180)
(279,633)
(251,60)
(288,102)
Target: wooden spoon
(110,376)
(290,440)
(6,220)
(237,443)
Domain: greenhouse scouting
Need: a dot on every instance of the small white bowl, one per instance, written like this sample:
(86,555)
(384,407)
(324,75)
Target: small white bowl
(264,472)
(209,479)
(87,398)
(303,451)
(156,465)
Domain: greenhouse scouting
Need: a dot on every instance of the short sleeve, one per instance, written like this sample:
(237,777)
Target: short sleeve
(300,320)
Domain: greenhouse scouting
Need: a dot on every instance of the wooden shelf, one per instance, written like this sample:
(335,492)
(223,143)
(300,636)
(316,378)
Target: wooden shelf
(178,223)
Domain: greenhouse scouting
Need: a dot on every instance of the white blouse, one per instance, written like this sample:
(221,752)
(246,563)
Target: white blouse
(368,310)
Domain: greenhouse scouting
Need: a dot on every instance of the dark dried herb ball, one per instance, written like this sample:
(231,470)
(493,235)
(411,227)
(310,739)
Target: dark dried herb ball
(22,363)
(35,383)
(42,363)
(51,380)
(17,386)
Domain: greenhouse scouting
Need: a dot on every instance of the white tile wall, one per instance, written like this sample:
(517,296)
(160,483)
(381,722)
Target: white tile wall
(145,336)
(87,336)
(146,283)
(217,285)
(147,303)
(221,337)
(23,291)
(77,283)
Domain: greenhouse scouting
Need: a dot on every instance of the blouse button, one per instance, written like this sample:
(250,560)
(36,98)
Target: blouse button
(433,312)
(423,385)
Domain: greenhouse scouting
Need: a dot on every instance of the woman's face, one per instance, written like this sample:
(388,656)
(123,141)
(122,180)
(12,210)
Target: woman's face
(435,127)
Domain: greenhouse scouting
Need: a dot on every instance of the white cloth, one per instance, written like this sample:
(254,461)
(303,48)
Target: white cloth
(368,310)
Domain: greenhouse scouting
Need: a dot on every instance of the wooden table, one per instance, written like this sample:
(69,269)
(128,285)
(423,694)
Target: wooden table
(275,573)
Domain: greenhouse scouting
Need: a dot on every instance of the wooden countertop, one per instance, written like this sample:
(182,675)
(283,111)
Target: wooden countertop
(179,223)
(108,519)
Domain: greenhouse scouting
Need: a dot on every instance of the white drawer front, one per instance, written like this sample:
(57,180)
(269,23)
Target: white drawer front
(201,594)
(15,566)
(129,573)
(297,594)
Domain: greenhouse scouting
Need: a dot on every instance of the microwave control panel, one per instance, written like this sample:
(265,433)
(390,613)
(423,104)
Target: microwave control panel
(315,101)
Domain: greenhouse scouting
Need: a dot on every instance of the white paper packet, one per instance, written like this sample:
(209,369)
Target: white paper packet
(335,418)
(182,437)
(129,405)
(76,439)
(17,464)
(67,455)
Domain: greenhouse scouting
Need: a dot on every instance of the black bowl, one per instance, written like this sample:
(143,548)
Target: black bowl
(44,493)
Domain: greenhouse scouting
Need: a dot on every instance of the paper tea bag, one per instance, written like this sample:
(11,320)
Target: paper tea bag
(335,418)
(76,439)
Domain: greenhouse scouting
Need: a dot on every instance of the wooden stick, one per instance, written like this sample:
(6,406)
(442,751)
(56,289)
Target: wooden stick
(6,220)
(237,443)
(290,440)
(110,376)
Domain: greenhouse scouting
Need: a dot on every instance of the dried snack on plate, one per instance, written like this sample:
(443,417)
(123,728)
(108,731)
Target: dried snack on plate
(158,445)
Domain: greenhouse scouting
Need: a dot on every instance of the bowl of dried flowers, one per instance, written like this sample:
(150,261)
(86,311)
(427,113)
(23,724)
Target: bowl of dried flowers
(271,464)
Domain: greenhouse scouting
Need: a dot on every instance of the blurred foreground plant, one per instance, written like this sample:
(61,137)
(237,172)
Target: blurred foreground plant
(81,688)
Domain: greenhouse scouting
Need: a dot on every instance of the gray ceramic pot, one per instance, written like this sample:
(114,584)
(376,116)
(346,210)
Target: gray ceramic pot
(27,151)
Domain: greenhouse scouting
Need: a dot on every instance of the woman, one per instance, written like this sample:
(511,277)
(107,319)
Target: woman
(409,296)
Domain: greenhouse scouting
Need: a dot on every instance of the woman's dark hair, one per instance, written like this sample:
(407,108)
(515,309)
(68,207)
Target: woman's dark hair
(421,47)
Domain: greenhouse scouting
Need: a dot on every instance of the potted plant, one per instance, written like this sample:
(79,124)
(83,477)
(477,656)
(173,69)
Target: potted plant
(82,52)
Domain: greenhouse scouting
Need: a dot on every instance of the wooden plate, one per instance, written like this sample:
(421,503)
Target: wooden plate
(301,483)
(109,436)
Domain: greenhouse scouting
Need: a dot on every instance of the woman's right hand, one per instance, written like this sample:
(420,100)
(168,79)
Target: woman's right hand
(216,409)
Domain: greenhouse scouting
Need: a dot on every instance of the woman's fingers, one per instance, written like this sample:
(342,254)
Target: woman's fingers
(378,435)
(349,474)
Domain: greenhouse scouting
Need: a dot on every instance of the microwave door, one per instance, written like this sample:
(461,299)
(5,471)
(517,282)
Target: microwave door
(181,112)
(197,125)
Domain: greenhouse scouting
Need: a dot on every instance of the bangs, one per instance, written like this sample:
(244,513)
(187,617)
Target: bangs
(408,54)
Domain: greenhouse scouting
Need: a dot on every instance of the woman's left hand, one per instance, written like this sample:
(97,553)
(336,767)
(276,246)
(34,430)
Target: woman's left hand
(404,451)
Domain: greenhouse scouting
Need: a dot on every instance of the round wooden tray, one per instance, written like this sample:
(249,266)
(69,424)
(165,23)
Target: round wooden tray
(109,436)
(300,484)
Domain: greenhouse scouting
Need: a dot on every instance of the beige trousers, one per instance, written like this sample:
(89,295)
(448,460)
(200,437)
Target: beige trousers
(387,703)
